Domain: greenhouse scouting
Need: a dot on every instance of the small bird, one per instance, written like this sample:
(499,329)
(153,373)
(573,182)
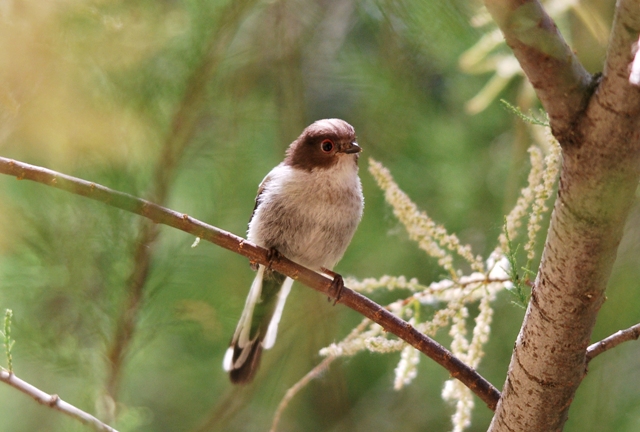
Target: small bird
(307,209)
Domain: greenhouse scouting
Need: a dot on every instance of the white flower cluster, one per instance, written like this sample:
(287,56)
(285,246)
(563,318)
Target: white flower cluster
(456,392)
(542,191)
(431,237)
(533,198)
(450,296)
(513,221)
(406,370)
(389,283)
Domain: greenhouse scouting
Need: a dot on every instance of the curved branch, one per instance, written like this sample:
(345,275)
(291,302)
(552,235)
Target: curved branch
(295,389)
(632,333)
(561,82)
(391,323)
(53,401)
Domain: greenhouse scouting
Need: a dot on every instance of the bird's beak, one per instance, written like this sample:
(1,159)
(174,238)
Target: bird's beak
(352,148)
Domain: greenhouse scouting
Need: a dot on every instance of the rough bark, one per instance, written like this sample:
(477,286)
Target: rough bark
(561,82)
(601,159)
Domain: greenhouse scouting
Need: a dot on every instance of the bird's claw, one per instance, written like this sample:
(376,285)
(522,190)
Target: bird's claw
(337,285)
(272,255)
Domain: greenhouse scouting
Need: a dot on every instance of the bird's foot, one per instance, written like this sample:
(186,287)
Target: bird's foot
(273,255)
(337,285)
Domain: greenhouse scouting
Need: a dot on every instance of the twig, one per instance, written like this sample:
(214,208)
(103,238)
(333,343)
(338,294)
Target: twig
(293,390)
(391,323)
(234,399)
(531,119)
(53,401)
(312,374)
(632,333)
(480,283)
(182,129)
(8,342)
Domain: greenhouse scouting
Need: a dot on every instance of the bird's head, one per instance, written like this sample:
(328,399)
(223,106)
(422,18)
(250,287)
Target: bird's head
(323,144)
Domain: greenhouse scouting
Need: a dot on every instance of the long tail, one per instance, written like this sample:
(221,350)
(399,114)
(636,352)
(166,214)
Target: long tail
(258,325)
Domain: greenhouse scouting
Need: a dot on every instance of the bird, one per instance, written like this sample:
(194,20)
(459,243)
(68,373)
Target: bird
(307,209)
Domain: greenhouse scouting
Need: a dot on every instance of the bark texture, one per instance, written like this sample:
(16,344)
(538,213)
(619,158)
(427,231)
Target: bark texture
(599,133)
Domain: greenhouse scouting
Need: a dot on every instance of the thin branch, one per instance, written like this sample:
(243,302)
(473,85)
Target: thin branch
(8,342)
(561,82)
(480,283)
(53,401)
(158,214)
(293,390)
(234,399)
(632,333)
(183,127)
(312,374)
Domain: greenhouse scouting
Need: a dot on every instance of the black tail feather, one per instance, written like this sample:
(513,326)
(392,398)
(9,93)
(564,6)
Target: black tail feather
(245,360)
(246,371)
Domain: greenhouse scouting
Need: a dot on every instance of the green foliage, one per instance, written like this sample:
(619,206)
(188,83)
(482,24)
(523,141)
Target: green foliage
(519,290)
(531,119)
(92,89)
(8,342)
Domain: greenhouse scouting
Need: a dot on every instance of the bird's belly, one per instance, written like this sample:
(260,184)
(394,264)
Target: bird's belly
(314,235)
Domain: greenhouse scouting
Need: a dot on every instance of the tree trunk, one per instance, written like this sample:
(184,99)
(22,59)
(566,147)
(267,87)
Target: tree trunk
(596,123)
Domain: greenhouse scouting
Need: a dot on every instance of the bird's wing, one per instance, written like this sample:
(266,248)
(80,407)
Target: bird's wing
(263,183)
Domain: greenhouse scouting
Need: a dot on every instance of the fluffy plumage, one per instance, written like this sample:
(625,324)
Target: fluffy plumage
(307,209)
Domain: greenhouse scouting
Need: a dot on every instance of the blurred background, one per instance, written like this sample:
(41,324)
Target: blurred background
(190,103)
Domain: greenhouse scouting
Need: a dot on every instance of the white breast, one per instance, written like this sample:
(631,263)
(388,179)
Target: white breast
(310,217)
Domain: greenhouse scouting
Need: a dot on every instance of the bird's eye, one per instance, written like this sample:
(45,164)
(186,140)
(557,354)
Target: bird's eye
(326,146)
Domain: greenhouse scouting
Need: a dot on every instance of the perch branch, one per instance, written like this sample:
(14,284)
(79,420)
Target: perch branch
(158,214)
(53,401)
(632,333)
